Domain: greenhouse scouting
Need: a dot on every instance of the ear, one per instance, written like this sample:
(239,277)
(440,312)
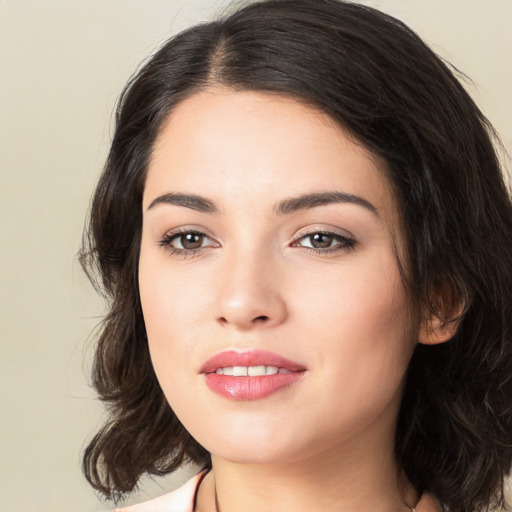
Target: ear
(442,317)
(435,330)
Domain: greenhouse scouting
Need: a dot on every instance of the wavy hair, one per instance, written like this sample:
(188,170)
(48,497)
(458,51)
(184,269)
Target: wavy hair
(382,84)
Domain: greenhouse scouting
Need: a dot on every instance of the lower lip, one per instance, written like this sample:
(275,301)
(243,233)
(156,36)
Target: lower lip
(251,388)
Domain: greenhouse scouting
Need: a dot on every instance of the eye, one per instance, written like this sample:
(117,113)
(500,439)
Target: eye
(186,242)
(325,242)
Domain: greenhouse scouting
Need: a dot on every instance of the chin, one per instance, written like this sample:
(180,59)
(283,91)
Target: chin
(256,448)
(253,455)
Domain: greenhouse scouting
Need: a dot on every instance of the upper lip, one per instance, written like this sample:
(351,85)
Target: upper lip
(230,358)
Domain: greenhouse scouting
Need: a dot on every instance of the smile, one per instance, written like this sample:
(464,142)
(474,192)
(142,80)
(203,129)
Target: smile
(250,371)
(253,360)
(250,375)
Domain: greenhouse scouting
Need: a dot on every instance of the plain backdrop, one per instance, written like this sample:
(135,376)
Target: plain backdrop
(62,65)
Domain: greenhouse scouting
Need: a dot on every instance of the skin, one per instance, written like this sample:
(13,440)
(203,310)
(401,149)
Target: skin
(325,443)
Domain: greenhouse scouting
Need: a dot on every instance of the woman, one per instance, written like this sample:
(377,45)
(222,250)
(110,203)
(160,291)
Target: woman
(306,241)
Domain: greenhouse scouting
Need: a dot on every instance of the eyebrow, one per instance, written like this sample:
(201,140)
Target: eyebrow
(193,201)
(321,199)
(285,207)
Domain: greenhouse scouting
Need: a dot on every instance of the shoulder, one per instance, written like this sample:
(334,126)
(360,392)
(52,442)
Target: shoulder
(179,500)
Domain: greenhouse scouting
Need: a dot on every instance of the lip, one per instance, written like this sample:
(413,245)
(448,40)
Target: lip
(249,358)
(250,388)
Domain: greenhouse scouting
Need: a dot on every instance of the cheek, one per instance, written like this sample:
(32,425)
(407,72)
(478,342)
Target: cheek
(170,335)
(360,327)
(169,297)
(175,308)
(161,310)
(361,298)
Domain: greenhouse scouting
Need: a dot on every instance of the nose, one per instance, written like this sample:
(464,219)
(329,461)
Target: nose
(250,294)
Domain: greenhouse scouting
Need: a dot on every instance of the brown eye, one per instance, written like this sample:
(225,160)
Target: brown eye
(186,242)
(321,240)
(191,241)
(325,242)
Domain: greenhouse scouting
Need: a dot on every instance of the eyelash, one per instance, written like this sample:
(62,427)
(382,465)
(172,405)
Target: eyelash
(168,238)
(345,243)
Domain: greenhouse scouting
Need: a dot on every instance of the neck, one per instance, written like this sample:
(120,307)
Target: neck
(339,480)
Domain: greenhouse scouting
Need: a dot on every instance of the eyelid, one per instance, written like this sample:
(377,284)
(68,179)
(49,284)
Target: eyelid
(199,230)
(327,230)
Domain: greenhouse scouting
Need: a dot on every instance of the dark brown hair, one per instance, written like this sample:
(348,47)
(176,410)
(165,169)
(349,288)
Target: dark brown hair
(375,77)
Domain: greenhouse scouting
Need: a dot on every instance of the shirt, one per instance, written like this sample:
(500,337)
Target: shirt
(183,500)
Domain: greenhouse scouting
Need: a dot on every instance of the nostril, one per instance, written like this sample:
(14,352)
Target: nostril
(261,318)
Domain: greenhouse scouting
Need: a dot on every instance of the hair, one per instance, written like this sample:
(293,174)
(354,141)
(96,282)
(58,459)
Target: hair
(385,87)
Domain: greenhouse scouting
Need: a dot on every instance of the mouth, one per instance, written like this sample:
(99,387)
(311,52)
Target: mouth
(250,375)
(250,363)
(250,371)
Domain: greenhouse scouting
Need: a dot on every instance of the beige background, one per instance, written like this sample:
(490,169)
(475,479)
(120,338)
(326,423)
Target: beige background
(62,65)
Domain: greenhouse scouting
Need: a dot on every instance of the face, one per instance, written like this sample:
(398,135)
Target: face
(268,242)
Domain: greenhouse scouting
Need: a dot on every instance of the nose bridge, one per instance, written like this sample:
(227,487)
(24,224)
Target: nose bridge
(249,290)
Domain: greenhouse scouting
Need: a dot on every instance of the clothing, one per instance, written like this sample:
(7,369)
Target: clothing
(183,500)
(180,500)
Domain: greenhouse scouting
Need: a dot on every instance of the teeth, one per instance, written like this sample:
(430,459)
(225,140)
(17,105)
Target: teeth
(254,371)
(250,371)
(239,371)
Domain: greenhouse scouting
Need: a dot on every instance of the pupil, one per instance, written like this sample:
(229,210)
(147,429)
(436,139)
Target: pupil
(192,241)
(321,241)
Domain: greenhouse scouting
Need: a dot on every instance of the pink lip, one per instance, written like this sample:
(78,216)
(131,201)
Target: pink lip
(250,388)
(251,358)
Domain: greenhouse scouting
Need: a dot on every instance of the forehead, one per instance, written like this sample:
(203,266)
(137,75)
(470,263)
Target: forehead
(243,148)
